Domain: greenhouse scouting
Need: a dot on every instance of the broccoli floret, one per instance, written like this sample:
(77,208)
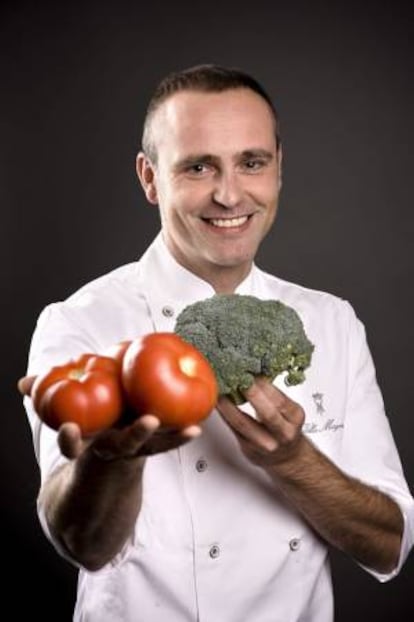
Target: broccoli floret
(243,337)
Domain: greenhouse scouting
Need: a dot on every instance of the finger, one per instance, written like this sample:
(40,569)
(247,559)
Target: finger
(145,424)
(70,440)
(245,427)
(25,384)
(281,415)
(128,441)
(148,422)
(291,410)
(269,408)
(165,439)
(191,431)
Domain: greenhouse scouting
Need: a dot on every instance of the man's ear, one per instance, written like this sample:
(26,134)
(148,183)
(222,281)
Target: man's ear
(146,175)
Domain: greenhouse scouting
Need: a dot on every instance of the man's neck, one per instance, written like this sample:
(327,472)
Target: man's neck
(223,279)
(227,282)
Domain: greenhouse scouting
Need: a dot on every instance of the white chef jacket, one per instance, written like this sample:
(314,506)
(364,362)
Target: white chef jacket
(215,541)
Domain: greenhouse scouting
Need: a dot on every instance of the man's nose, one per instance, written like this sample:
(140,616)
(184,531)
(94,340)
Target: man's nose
(228,190)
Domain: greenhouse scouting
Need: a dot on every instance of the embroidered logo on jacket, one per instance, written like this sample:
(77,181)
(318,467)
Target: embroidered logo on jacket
(324,423)
(318,399)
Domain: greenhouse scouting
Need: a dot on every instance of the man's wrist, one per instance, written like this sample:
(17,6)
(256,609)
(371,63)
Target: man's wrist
(296,464)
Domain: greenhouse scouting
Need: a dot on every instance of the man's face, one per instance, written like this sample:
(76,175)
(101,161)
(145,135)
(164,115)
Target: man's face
(216,180)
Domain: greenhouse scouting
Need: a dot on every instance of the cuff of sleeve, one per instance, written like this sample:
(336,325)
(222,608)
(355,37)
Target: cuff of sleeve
(407,542)
(65,553)
(58,545)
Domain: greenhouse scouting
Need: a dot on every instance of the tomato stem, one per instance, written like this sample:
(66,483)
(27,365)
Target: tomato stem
(76,374)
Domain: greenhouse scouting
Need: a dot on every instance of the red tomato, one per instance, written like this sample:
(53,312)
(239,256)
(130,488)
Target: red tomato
(87,391)
(163,375)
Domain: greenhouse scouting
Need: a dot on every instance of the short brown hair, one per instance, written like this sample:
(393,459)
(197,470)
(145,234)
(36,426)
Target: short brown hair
(206,78)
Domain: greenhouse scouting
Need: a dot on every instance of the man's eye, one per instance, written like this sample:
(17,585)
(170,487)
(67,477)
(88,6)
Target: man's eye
(197,168)
(253,165)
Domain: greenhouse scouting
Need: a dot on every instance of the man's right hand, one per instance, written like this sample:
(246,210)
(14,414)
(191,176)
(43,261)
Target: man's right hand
(91,503)
(143,437)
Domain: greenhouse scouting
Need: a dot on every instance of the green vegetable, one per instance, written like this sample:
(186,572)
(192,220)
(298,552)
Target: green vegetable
(243,337)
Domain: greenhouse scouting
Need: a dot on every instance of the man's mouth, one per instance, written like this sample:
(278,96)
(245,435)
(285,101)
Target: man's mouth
(227,222)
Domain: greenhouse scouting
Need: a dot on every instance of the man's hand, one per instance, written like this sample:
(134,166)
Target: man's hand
(91,503)
(143,437)
(25,384)
(350,515)
(276,436)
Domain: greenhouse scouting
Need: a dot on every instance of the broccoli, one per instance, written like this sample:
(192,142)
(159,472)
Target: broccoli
(243,337)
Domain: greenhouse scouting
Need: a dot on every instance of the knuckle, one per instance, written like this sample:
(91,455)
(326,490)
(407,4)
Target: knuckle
(299,416)
(252,392)
(271,445)
(290,435)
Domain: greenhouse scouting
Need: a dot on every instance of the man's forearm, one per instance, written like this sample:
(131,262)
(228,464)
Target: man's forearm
(353,517)
(92,508)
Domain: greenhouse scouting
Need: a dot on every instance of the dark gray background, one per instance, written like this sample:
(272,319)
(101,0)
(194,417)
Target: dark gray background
(75,79)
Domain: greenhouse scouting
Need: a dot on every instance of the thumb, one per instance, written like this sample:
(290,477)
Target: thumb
(25,384)
(70,440)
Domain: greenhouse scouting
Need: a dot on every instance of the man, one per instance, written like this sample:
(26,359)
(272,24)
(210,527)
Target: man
(229,522)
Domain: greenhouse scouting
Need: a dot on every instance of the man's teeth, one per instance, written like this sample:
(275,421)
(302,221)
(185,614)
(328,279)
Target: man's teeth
(228,222)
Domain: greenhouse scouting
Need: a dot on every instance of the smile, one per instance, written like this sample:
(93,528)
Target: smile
(228,222)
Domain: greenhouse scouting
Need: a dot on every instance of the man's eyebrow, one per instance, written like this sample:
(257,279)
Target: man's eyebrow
(249,154)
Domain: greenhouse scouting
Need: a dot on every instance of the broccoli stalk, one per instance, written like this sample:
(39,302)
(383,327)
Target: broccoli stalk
(243,337)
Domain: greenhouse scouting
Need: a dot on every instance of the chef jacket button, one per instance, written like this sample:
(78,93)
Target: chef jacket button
(214,551)
(167,311)
(201,465)
(294,544)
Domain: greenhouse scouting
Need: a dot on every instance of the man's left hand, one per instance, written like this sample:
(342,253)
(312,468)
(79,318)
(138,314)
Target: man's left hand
(276,436)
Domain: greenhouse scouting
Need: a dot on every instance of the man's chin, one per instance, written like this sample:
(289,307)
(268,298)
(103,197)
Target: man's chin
(231,261)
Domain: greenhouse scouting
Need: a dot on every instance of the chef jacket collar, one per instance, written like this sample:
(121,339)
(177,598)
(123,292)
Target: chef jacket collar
(169,287)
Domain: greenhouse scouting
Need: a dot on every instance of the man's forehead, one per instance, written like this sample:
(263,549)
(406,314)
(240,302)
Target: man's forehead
(227,115)
(184,101)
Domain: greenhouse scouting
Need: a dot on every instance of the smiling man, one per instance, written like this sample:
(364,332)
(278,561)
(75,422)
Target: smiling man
(231,522)
(214,171)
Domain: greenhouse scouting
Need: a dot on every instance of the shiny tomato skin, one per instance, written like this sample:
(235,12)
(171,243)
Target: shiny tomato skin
(86,391)
(163,375)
